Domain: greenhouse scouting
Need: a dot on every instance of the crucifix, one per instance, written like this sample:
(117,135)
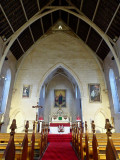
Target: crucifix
(37,107)
(37,110)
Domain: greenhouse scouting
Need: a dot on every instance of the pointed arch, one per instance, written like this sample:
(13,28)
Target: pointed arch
(65,67)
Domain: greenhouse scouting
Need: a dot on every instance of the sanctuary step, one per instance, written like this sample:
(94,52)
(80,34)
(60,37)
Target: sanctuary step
(60,137)
(59,151)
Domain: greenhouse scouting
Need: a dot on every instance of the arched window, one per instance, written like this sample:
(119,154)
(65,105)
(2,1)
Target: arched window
(114,91)
(5,91)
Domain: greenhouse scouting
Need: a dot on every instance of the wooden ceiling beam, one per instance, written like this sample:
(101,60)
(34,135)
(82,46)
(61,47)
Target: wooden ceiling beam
(108,27)
(10,26)
(27,20)
(97,5)
(81,5)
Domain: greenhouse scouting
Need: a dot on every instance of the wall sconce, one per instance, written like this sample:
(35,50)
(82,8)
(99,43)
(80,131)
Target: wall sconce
(115,39)
(14,90)
(2,77)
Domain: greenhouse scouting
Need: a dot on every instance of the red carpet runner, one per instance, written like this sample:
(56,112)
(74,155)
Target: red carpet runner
(59,151)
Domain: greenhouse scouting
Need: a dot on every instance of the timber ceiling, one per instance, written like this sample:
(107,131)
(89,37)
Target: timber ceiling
(104,13)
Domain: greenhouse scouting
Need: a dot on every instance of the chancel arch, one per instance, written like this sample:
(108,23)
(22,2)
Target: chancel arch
(60,80)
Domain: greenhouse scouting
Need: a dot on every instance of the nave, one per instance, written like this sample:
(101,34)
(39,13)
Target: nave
(73,146)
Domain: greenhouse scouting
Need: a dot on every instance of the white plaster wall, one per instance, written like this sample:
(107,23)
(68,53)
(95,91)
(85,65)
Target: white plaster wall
(51,50)
(111,64)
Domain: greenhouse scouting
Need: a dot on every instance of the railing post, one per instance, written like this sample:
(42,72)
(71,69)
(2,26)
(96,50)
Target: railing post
(111,153)
(10,149)
(81,142)
(94,143)
(86,142)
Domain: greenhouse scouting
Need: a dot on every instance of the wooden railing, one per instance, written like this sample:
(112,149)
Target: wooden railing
(81,155)
(86,142)
(94,143)
(10,149)
(111,153)
(95,146)
(32,143)
(25,143)
(15,146)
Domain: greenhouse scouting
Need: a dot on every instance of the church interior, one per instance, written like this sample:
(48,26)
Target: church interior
(59,79)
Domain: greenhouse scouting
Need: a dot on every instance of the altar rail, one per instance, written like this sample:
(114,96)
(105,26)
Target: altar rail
(22,146)
(96,146)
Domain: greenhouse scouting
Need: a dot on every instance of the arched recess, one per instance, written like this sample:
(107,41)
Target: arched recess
(72,76)
(100,122)
(80,16)
(20,119)
(5,92)
(41,82)
(114,91)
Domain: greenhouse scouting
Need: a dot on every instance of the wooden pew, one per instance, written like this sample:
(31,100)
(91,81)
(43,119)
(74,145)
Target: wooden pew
(111,153)
(19,141)
(87,156)
(95,143)
(80,151)
(10,149)
(33,143)
(25,143)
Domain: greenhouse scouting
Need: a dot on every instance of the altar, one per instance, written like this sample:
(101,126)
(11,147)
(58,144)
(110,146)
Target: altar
(59,128)
(59,123)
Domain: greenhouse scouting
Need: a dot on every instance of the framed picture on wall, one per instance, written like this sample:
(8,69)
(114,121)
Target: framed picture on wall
(60,98)
(26,91)
(94,92)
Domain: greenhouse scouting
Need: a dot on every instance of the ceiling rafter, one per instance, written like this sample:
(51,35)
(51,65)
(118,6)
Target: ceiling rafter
(60,10)
(51,17)
(75,8)
(108,27)
(27,20)
(68,19)
(38,4)
(81,5)
(49,3)
(71,4)
(68,15)
(41,18)
(67,7)
(97,5)
(11,26)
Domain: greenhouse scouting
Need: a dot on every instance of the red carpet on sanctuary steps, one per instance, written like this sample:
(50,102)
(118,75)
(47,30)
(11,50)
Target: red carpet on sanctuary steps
(59,148)
(59,151)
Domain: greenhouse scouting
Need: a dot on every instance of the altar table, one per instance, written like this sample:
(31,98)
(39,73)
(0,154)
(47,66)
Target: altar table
(54,128)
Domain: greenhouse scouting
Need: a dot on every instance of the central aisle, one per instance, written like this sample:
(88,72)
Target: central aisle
(59,151)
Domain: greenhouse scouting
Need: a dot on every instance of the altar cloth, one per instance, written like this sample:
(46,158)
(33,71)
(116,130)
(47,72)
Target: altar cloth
(59,124)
